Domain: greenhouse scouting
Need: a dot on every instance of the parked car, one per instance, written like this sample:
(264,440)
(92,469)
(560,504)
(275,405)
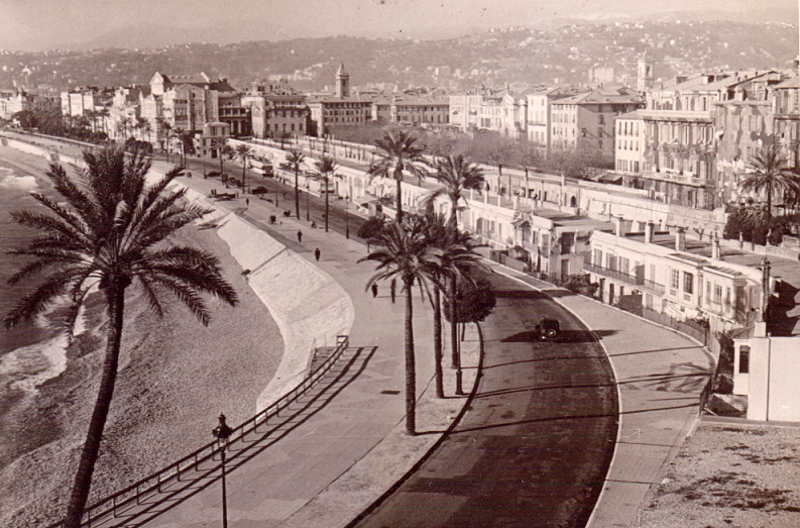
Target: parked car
(212,174)
(260,190)
(549,329)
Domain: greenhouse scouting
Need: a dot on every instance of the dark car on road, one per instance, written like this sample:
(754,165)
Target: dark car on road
(549,329)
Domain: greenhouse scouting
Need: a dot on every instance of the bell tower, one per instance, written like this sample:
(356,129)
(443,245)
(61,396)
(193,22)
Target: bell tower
(644,73)
(342,82)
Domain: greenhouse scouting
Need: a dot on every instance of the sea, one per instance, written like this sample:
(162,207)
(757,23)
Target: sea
(29,354)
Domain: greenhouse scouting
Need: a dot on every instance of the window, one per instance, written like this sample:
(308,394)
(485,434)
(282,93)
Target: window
(744,359)
(717,294)
(675,279)
(688,282)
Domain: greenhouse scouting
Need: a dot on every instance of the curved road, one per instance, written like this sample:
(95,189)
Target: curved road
(535,444)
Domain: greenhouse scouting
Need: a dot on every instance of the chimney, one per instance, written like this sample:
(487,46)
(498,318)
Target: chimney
(648,232)
(680,240)
(619,226)
(715,251)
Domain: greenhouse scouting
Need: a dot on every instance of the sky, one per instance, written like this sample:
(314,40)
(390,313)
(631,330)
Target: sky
(35,25)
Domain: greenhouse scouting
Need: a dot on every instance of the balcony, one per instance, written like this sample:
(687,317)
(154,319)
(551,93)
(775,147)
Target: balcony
(613,274)
(654,287)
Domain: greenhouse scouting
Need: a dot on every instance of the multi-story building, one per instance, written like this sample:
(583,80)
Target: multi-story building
(514,118)
(339,110)
(464,111)
(680,136)
(685,279)
(586,120)
(276,111)
(539,116)
(785,99)
(629,150)
(13,102)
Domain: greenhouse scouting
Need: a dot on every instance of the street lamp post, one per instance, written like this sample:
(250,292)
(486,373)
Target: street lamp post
(346,218)
(222,433)
(308,205)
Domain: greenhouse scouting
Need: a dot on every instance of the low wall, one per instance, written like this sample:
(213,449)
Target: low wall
(308,305)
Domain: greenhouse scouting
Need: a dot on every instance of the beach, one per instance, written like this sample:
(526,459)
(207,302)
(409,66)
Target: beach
(175,378)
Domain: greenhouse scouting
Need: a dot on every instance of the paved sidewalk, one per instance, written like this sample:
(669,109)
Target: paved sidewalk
(327,470)
(660,375)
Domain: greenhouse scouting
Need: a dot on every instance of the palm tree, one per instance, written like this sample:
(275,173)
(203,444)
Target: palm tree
(770,171)
(456,174)
(457,252)
(112,229)
(294,161)
(122,127)
(403,252)
(243,152)
(399,151)
(166,127)
(144,127)
(326,168)
(223,150)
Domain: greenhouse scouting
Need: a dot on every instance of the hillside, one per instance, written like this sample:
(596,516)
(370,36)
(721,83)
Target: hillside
(562,55)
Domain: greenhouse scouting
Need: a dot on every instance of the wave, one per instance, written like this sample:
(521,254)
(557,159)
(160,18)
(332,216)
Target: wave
(10,180)
(27,367)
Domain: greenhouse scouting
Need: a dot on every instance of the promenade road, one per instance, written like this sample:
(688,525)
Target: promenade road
(534,445)
(660,375)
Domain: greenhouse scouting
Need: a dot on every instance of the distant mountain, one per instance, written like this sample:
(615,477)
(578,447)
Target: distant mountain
(566,54)
(152,35)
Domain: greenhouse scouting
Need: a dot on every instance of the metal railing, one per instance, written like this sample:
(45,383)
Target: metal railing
(613,274)
(108,507)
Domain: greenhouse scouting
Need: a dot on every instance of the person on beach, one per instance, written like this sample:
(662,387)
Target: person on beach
(299,236)
(317,254)
(374,290)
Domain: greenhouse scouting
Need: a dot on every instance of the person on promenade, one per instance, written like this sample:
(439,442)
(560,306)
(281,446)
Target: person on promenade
(247,202)
(374,290)
(317,254)
(299,236)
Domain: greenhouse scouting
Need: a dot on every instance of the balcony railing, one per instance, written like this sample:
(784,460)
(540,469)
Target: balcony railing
(613,274)
(654,287)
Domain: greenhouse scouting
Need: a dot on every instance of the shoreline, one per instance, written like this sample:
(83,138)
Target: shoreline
(175,377)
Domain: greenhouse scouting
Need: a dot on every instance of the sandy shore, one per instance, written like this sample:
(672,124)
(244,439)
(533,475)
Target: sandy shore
(176,376)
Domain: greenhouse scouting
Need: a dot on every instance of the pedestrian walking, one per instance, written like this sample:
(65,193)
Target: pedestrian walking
(247,202)
(392,287)
(299,236)
(374,290)
(317,254)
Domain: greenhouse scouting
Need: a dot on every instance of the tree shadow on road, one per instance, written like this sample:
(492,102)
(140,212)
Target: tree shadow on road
(567,336)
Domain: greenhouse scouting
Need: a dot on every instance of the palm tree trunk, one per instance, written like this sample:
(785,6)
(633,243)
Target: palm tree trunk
(437,342)
(326,204)
(411,375)
(456,355)
(244,168)
(297,192)
(398,176)
(115,298)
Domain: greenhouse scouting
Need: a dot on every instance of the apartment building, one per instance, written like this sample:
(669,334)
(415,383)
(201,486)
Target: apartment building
(587,120)
(339,110)
(539,116)
(464,109)
(629,148)
(670,274)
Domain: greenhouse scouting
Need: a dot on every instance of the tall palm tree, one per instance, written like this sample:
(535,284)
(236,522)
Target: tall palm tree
(166,127)
(224,150)
(122,127)
(111,230)
(457,252)
(403,252)
(243,152)
(326,168)
(456,174)
(294,161)
(398,152)
(144,128)
(770,171)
